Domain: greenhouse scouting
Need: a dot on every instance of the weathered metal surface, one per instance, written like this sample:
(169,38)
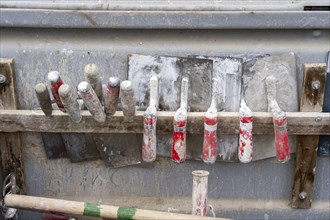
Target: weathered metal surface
(38,51)
(127,19)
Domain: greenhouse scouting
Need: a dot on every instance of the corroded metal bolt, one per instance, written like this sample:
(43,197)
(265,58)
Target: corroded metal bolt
(2,78)
(302,195)
(316,85)
(318,119)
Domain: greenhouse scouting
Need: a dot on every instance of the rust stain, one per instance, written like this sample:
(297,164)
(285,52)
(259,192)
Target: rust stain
(315,96)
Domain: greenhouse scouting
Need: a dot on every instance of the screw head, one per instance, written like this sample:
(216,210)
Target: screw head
(316,85)
(318,119)
(2,78)
(302,195)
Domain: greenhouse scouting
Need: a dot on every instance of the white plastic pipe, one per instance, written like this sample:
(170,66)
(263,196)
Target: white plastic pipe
(199,192)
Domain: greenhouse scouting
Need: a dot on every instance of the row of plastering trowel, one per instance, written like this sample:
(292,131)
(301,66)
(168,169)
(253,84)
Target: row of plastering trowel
(209,153)
(81,147)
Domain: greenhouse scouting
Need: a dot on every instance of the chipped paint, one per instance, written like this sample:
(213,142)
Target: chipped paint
(245,149)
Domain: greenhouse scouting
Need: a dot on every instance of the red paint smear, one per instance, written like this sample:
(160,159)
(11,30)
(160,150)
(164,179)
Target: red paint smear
(54,87)
(210,141)
(179,136)
(245,135)
(148,130)
(246,119)
(281,140)
(53,216)
(112,90)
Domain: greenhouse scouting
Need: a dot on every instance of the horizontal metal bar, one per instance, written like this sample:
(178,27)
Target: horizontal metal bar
(299,123)
(161,5)
(47,18)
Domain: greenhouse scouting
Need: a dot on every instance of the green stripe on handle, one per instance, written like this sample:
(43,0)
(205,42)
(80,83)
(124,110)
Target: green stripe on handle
(92,209)
(125,213)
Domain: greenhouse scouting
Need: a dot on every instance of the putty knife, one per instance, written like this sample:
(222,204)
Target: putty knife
(255,71)
(170,71)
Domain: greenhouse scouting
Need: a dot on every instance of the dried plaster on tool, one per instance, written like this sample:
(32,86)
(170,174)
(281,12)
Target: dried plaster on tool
(280,122)
(92,75)
(55,83)
(91,101)
(180,123)
(199,192)
(142,67)
(149,143)
(245,149)
(209,154)
(69,100)
(44,98)
(111,96)
(127,100)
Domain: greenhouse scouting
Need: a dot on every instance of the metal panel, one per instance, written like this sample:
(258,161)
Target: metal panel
(264,183)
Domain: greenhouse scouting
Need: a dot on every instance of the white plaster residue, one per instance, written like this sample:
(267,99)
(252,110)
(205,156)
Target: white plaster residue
(244,109)
(141,68)
(53,76)
(228,72)
(168,75)
(83,86)
(180,114)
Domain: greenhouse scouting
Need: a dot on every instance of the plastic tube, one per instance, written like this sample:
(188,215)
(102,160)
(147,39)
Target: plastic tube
(111,96)
(69,100)
(149,142)
(209,154)
(179,124)
(199,192)
(127,100)
(55,83)
(245,148)
(91,101)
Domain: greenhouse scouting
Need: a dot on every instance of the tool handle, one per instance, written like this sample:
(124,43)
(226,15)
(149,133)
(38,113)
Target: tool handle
(184,92)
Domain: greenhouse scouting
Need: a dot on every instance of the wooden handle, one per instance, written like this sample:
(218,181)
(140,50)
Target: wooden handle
(91,209)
